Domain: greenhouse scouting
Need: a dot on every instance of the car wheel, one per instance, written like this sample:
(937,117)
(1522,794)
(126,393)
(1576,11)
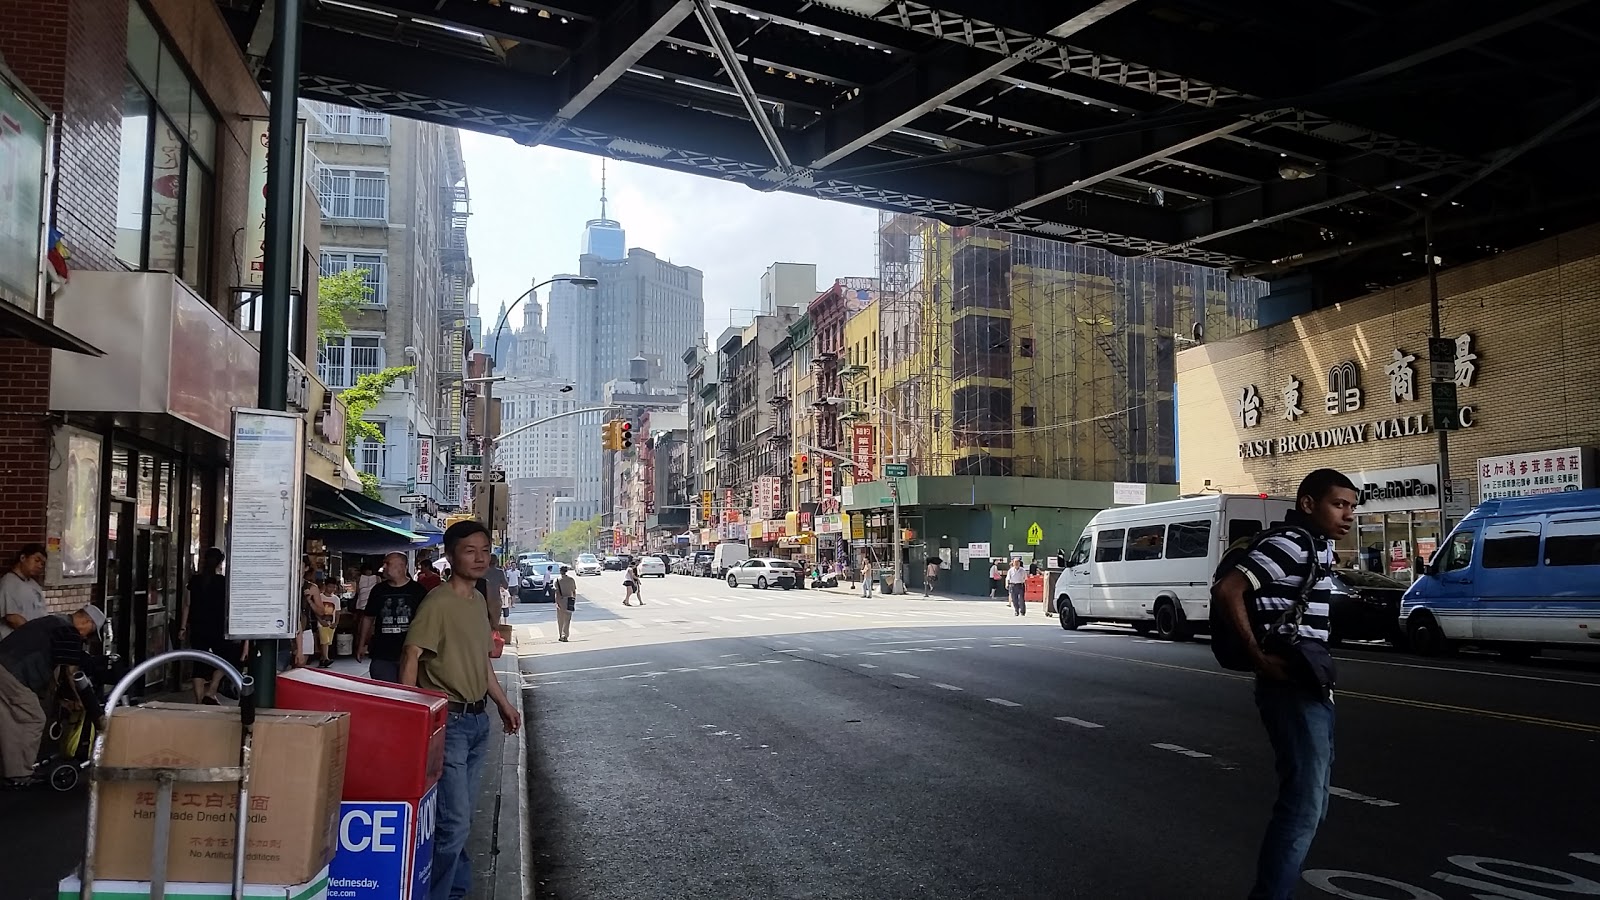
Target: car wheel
(1170,625)
(1425,636)
(1068,615)
(733,580)
(761,582)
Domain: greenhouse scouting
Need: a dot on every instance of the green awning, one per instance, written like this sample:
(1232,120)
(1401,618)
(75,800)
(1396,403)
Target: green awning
(359,518)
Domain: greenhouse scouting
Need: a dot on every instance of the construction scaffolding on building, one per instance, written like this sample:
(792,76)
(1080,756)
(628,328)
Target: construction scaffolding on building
(1009,354)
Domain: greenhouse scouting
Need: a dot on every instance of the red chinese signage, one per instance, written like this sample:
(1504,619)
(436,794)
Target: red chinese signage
(827,478)
(729,514)
(776,495)
(861,452)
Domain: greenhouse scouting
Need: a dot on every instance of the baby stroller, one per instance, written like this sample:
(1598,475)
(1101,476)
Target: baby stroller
(79,708)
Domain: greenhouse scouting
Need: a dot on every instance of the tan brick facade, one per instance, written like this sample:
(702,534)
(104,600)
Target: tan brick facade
(1534,317)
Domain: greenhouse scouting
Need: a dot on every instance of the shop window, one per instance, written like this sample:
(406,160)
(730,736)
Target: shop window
(1513,546)
(361,194)
(1146,542)
(1188,540)
(372,263)
(1573,542)
(165,175)
(1108,545)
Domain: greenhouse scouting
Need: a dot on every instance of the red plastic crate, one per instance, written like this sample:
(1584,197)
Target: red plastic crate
(396,732)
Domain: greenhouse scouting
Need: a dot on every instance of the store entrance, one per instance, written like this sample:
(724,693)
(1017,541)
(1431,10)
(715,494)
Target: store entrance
(1396,544)
(118,600)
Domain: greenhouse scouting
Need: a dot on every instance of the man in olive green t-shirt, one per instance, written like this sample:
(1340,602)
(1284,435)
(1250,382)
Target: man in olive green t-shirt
(447,650)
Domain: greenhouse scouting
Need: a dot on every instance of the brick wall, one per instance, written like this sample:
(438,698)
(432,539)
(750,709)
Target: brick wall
(1534,314)
(70,55)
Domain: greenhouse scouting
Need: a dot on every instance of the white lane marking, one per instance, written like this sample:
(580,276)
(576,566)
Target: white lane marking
(754,618)
(713,667)
(897,651)
(725,619)
(789,651)
(590,669)
(1379,662)
(872,653)
(1360,798)
(662,622)
(786,615)
(908,675)
(629,623)
(1182,751)
(1001,701)
(690,669)
(866,665)
(945,687)
(745,665)
(729,655)
(832,655)
(699,599)
(920,641)
(771,662)
(1081,723)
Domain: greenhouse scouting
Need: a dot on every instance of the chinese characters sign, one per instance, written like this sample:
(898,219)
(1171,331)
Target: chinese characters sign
(1345,395)
(827,479)
(862,452)
(424,460)
(1525,474)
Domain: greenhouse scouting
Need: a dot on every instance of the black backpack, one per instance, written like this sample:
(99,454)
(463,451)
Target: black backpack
(1229,649)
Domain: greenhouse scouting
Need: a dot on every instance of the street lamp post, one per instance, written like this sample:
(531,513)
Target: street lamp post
(489,425)
(898,586)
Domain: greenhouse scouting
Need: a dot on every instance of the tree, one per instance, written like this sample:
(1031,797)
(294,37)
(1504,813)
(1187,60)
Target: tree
(337,296)
(577,537)
(358,400)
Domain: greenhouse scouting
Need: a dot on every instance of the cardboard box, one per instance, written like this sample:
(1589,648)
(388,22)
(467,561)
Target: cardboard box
(71,888)
(296,780)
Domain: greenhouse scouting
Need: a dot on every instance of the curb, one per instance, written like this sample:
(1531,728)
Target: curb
(512,872)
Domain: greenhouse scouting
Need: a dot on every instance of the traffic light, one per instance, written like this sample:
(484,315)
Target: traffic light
(802,465)
(608,436)
(624,435)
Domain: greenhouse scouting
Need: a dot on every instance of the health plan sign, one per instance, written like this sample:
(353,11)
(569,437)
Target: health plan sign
(385,849)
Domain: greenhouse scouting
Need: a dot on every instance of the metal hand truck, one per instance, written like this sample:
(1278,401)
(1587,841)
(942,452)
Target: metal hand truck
(165,777)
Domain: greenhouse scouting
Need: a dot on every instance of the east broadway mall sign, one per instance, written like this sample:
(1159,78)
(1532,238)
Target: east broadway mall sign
(1365,432)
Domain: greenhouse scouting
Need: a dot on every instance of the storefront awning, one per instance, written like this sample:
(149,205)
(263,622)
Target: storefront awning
(357,518)
(18,322)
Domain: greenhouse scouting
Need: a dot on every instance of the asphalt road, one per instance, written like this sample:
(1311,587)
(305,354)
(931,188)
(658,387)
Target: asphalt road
(723,743)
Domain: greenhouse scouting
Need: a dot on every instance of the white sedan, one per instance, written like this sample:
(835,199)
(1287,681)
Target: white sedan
(588,564)
(762,573)
(652,565)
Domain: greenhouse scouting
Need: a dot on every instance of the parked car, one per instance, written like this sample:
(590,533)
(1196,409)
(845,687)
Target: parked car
(539,581)
(762,573)
(700,564)
(613,563)
(652,565)
(1365,606)
(588,564)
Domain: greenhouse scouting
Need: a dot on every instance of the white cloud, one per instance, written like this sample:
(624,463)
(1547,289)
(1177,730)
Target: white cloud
(529,207)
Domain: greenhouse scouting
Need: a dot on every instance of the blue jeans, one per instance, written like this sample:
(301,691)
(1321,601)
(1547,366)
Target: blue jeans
(466,737)
(1300,726)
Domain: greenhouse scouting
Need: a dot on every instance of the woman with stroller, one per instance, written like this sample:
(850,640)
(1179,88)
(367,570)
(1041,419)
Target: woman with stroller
(204,625)
(630,581)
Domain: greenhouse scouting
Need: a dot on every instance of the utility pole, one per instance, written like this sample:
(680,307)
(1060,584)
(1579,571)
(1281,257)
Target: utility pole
(283,187)
(894,523)
(1434,345)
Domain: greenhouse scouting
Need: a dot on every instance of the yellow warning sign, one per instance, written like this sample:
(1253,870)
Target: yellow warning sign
(1035,534)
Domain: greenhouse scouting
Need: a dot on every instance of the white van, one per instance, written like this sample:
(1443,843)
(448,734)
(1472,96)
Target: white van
(726,556)
(1151,565)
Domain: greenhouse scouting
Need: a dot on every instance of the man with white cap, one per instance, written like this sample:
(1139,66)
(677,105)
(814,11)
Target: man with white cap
(29,660)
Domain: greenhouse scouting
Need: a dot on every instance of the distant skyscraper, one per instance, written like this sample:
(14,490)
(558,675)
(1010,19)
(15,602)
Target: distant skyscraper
(604,237)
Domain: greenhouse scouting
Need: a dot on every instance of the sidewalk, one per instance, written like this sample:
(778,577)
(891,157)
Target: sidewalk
(45,830)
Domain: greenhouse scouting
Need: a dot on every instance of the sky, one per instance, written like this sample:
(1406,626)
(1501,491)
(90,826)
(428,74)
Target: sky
(529,206)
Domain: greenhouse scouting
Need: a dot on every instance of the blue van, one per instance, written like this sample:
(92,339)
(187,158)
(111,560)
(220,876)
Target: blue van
(1516,575)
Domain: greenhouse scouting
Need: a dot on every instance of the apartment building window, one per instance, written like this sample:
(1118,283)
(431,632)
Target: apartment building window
(376,280)
(165,179)
(343,121)
(344,358)
(354,193)
(373,456)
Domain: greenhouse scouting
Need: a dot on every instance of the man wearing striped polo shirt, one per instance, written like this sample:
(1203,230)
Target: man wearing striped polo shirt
(1294,671)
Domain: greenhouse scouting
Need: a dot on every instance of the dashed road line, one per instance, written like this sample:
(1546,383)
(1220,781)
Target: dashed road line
(1081,723)
(754,618)
(789,651)
(944,687)
(1182,751)
(725,619)
(1360,798)
(908,675)
(866,665)
(1000,701)
(590,669)
(832,655)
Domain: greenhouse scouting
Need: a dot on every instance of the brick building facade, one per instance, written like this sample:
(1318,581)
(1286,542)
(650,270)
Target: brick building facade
(150,103)
(1349,387)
